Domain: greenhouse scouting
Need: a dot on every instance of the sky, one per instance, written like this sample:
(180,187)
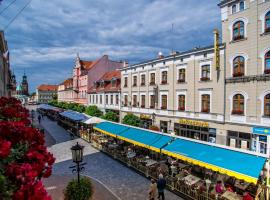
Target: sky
(45,38)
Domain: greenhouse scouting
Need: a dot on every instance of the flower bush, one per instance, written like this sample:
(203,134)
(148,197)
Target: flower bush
(24,159)
(84,191)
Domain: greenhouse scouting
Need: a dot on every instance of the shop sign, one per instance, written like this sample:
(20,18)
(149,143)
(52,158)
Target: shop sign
(194,123)
(142,116)
(260,130)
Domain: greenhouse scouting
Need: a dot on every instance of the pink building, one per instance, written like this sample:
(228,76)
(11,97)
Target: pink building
(65,92)
(85,73)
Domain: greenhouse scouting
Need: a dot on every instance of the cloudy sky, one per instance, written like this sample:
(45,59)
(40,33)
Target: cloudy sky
(45,38)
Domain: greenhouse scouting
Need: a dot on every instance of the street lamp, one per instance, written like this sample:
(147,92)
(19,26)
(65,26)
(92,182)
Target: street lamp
(77,157)
(153,118)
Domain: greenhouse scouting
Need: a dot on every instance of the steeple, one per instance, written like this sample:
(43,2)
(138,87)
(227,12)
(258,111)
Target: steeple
(24,85)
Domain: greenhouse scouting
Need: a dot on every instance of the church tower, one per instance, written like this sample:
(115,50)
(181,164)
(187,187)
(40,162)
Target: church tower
(13,83)
(24,85)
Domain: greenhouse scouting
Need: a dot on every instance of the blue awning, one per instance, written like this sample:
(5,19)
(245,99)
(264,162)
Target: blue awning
(75,116)
(238,164)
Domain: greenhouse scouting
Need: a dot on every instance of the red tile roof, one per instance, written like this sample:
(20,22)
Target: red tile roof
(44,87)
(112,74)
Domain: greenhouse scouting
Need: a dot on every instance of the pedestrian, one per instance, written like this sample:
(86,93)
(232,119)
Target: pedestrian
(39,119)
(219,188)
(161,184)
(152,190)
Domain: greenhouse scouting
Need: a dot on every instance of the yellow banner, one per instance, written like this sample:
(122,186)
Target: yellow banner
(142,116)
(194,123)
(216,49)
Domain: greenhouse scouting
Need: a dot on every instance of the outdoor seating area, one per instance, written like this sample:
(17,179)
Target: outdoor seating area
(183,175)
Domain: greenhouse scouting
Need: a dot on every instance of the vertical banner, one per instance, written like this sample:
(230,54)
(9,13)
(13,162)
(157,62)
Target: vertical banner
(216,49)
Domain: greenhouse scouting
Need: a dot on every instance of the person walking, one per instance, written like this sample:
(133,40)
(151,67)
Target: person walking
(161,184)
(152,190)
(39,119)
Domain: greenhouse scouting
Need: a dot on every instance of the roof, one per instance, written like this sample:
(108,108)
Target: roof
(73,115)
(44,87)
(110,75)
(245,166)
(223,2)
(49,107)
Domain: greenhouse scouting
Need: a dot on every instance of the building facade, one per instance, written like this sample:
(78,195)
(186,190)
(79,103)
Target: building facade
(105,93)
(46,93)
(85,73)
(65,92)
(187,94)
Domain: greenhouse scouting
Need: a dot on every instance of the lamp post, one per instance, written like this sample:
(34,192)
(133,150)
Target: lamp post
(77,157)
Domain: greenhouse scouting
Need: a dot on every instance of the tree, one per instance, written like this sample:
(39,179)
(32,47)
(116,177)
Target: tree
(131,119)
(93,111)
(111,116)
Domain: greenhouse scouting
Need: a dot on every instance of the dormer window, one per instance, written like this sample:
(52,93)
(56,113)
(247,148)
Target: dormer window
(113,82)
(102,84)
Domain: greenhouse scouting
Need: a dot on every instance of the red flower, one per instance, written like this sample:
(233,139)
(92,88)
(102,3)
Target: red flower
(5,147)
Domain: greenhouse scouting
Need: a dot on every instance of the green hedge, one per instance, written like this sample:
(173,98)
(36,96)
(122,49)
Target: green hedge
(84,191)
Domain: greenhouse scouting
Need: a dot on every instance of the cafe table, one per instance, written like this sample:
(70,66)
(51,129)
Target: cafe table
(191,180)
(241,185)
(150,162)
(231,196)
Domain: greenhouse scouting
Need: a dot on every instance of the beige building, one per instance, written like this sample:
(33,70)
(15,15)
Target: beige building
(46,93)
(65,92)
(187,95)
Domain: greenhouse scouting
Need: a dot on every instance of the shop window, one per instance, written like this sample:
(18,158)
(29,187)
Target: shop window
(182,75)
(239,140)
(134,81)
(267,63)
(142,101)
(134,100)
(116,99)
(152,101)
(163,102)
(267,105)
(205,73)
(267,22)
(205,103)
(164,126)
(238,104)
(234,8)
(126,82)
(164,76)
(152,79)
(238,30)
(181,102)
(238,66)
(242,6)
(143,80)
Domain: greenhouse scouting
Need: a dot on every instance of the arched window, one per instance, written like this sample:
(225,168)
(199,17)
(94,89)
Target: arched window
(241,5)
(267,63)
(238,66)
(238,104)
(267,105)
(238,30)
(234,8)
(205,103)
(267,22)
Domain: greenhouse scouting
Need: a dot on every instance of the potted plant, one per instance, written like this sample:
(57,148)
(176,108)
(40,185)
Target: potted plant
(82,191)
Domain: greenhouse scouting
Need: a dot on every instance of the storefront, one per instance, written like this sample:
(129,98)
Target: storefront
(164,126)
(145,121)
(195,129)
(260,139)
(239,140)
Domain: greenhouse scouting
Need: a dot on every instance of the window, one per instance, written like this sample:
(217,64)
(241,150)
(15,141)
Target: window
(205,103)
(205,76)
(164,77)
(111,99)
(142,101)
(102,84)
(100,99)
(126,82)
(163,102)
(116,99)
(134,100)
(90,99)
(267,105)
(164,126)
(182,75)
(238,66)
(181,102)
(126,100)
(96,98)
(152,101)
(241,5)
(134,81)
(267,22)
(238,104)
(234,8)
(152,79)
(142,79)
(238,30)
(239,140)
(267,63)
(113,83)
(107,99)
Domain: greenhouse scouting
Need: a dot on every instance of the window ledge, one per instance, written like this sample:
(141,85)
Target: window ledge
(266,117)
(235,41)
(265,33)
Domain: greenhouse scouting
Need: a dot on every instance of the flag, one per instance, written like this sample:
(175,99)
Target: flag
(6,55)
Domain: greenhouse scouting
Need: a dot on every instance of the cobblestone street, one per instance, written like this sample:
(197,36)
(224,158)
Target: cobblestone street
(119,179)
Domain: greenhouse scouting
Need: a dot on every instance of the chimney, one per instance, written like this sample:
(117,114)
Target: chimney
(125,63)
(160,55)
